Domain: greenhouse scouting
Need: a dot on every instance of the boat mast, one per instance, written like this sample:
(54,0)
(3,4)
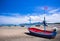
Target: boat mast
(44,22)
(30,21)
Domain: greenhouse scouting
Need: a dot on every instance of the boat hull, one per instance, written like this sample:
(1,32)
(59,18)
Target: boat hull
(42,34)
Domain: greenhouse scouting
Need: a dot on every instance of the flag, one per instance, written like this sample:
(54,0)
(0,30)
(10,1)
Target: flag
(45,8)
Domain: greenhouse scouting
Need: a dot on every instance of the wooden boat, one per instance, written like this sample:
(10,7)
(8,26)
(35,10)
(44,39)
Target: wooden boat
(42,33)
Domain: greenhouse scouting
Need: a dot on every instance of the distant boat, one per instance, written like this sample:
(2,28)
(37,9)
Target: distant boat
(43,33)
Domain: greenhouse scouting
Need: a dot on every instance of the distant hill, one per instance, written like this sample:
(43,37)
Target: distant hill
(57,23)
(27,24)
(23,24)
(36,23)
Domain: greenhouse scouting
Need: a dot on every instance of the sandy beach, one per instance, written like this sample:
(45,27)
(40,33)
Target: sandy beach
(19,34)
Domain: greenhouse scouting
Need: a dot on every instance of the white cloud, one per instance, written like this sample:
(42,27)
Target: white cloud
(53,11)
(12,20)
(53,18)
(17,18)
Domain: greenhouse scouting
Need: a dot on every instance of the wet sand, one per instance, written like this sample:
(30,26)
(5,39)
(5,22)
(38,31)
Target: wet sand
(19,34)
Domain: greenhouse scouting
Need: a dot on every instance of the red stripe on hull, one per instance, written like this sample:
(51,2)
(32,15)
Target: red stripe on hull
(39,30)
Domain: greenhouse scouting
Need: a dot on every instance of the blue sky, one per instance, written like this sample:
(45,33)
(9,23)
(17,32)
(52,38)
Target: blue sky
(25,6)
(19,9)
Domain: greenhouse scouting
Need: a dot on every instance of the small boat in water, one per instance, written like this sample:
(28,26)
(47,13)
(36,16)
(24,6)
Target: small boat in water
(43,33)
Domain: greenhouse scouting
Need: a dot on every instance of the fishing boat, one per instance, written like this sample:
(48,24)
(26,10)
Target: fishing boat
(43,33)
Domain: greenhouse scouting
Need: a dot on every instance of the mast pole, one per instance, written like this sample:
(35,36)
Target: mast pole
(44,24)
(45,8)
(30,21)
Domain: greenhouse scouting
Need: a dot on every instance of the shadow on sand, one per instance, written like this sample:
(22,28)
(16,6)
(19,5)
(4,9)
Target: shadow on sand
(37,35)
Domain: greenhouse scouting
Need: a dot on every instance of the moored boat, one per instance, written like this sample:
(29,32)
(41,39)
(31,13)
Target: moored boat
(42,33)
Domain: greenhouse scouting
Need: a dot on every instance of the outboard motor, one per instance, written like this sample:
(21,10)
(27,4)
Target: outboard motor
(55,29)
